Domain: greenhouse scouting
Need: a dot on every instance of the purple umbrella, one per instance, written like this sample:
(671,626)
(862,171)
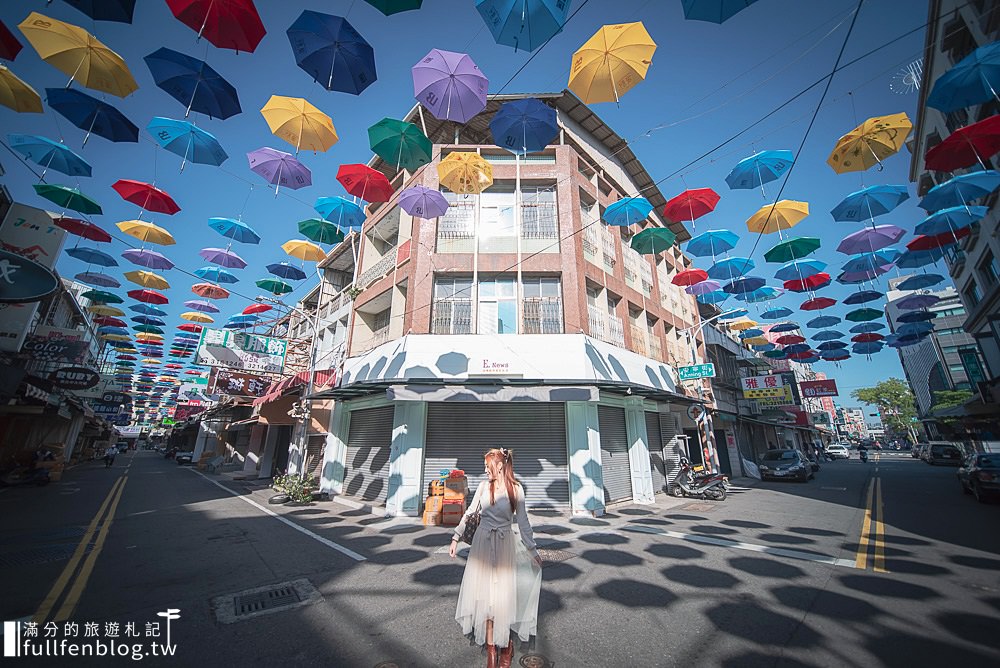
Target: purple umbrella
(98,279)
(202,305)
(279,169)
(851,277)
(704,287)
(223,258)
(147,258)
(871,239)
(423,202)
(914,302)
(450,85)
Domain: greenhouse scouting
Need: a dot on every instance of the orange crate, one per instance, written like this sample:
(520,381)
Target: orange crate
(432,518)
(433,503)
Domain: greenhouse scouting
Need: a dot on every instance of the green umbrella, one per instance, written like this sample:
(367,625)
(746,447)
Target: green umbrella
(792,249)
(653,240)
(400,143)
(389,7)
(321,231)
(863,314)
(274,286)
(102,297)
(71,198)
(149,329)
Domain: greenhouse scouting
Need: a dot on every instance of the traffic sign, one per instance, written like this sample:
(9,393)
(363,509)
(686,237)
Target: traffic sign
(696,412)
(696,371)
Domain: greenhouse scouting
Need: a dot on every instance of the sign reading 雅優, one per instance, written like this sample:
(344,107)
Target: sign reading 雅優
(696,371)
(818,388)
(757,387)
(242,351)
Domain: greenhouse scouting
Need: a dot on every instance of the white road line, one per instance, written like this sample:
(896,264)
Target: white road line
(750,547)
(329,543)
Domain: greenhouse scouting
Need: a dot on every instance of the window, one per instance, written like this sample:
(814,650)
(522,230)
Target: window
(988,269)
(497,307)
(949,330)
(497,231)
(539,215)
(452,307)
(457,228)
(956,368)
(972,293)
(543,306)
(944,313)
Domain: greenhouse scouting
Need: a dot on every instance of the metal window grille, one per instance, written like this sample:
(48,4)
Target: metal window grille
(539,220)
(542,315)
(460,220)
(452,316)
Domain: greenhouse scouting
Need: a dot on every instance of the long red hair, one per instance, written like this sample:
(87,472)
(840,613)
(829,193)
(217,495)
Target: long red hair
(505,457)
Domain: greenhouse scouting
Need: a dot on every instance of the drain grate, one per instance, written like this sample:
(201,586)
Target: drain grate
(278,597)
(699,507)
(266,600)
(535,661)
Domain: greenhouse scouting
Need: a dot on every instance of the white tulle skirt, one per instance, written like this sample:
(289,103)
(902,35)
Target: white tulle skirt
(502,583)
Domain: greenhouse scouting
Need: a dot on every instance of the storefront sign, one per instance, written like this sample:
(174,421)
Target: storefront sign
(107,409)
(785,398)
(242,351)
(194,391)
(23,281)
(115,398)
(491,366)
(758,387)
(818,388)
(238,384)
(184,412)
(75,378)
(56,344)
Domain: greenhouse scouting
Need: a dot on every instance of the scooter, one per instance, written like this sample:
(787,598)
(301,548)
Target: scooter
(702,486)
(863,456)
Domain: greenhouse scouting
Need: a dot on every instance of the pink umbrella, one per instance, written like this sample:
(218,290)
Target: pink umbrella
(871,239)
(450,85)
(223,257)
(279,169)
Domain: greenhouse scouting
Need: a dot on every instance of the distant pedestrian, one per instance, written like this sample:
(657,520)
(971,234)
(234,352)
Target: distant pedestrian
(109,457)
(503,575)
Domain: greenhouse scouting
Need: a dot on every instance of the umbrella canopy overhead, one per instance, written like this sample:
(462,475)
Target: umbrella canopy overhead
(464,172)
(792,249)
(369,184)
(321,231)
(49,154)
(782,215)
(279,168)
(966,146)
(345,213)
(92,256)
(871,239)
(713,11)
(919,281)
(222,257)
(776,313)
(703,288)
(285,270)
(16,94)
(951,219)
(689,277)
(187,140)
(869,202)
(730,268)
(863,297)
(799,269)
(210,291)
(870,262)
(68,197)
(201,306)
(146,232)
(714,297)
(865,327)
(524,126)
(274,286)
(193,83)
(236,230)
(148,296)
(973,80)
(691,205)
(960,189)
(627,211)
(912,259)
(652,240)
(99,279)
(809,283)
(422,202)
(450,85)
(823,321)
(817,303)
(711,243)
(147,258)
(303,250)
(744,285)
(146,309)
(233,24)
(400,143)
(870,143)
(523,25)
(918,301)
(758,169)
(611,62)
(92,115)
(146,196)
(299,123)
(332,52)
(863,315)
(195,316)
(83,229)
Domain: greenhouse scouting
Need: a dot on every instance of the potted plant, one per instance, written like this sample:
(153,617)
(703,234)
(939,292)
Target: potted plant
(292,488)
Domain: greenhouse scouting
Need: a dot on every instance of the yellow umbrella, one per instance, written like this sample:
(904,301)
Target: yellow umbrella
(304,250)
(465,172)
(611,62)
(150,335)
(742,324)
(147,279)
(150,360)
(194,316)
(870,143)
(755,341)
(16,94)
(79,54)
(104,309)
(115,337)
(299,123)
(147,232)
(781,215)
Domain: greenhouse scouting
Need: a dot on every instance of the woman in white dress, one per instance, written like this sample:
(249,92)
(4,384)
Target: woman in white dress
(503,574)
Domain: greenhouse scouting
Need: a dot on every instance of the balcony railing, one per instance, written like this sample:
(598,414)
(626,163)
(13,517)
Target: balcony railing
(379,269)
(379,336)
(655,349)
(606,326)
(640,340)
(542,315)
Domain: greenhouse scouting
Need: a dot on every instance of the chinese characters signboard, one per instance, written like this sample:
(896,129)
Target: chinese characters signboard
(818,388)
(759,387)
(239,384)
(242,351)
(696,371)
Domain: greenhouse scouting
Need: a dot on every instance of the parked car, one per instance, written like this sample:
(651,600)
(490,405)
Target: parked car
(944,454)
(838,451)
(916,450)
(184,457)
(785,464)
(980,475)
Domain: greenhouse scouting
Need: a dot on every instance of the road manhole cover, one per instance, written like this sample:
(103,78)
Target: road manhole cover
(259,601)
(535,661)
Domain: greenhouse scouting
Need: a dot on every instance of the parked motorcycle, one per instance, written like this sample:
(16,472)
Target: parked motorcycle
(702,486)
(25,475)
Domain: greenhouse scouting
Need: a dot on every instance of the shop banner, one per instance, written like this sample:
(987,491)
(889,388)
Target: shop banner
(759,387)
(184,412)
(194,391)
(241,351)
(56,344)
(238,384)
(818,388)
(785,398)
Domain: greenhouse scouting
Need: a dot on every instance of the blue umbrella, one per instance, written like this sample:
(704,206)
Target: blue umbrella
(869,202)
(730,268)
(796,348)
(712,242)
(827,335)
(960,190)
(951,219)
(734,314)
(764,294)
(916,316)
(234,229)
(835,355)
(343,212)
(862,297)
(108,329)
(913,259)
(759,168)
(868,262)
(812,359)
(866,348)
(867,327)
(919,281)
(784,327)
(764,347)
(712,297)
(904,341)
(216,275)
(525,126)
(49,154)
(238,325)
(971,81)
(714,11)
(99,279)
(523,24)
(796,270)
(915,328)
(92,256)
(332,52)
(627,211)
(244,318)
(285,270)
(744,285)
(823,321)
(186,140)
(831,345)
(105,10)
(149,320)
(193,83)
(90,114)
(776,313)
(147,309)
(749,333)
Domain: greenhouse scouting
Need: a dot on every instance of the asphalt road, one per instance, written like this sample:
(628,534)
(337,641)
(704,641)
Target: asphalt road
(880,564)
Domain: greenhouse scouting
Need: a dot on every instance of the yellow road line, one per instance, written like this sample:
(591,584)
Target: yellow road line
(861,561)
(69,605)
(60,584)
(879,531)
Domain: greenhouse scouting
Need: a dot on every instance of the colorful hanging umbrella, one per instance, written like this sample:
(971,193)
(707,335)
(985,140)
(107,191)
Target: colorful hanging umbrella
(74,51)
(784,327)
(83,228)
(831,345)
(195,329)
(274,286)
(742,325)
(146,309)
(102,309)
(390,7)
(809,283)
(960,190)
(147,258)
(332,52)
(193,83)
(627,211)
(856,277)
(691,205)
(789,339)
(148,296)
(254,309)
(186,140)
(228,24)
(146,232)
(782,215)
(915,302)
(966,146)
(869,202)
(68,197)
(464,172)
(201,306)
(223,258)
(866,348)
(775,354)
(345,213)
(870,143)
(973,80)
(92,256)
(298,122)
(303,250)
(526,24)
(16,94)
(871,239)
(102,297)
(714,297)
(147,329)
(912,259)
(863,297)
(743,285)
(730,268)
(919,281)
(823,321)
(763,294)
(914,329)
(216,275)
(863,314)
(400,143)
(776,313)
(49,154)
(420,202)
(792,249)
(817,303)
(611,62)
(194,316)
(689,277)
(279,169)
(366,183)
(951,219)
(146,196)
(321,231)
(147,279)
(734,314)
(9,46)
(98,279)
(524,126)
(652,240)
(90,114)
(234,229)
(870,262)
(711,243)
(866,327)
(799,269)
(758,169)
(870,337)
(450,85)
(756,341)
(703,288)
(285,270)
(714,11)
(210,291)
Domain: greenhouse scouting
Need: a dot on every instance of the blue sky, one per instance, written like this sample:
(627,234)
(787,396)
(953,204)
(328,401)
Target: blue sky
(707,83)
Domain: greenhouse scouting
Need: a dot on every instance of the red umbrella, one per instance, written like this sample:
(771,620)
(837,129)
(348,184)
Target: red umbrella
(924,242)
(256,308)
(805,354)
(867,337)
(173,366)
(146,196)
(109,321)
(127,357)
(150,342)
(691,204)
(809,283)
(966,146)
(148,296)
(9,46)
(790,339)
(364,182)
(190,327)
(228,24)
(689,277)
(82,228)
(817,304)
(209,291)
(192,372)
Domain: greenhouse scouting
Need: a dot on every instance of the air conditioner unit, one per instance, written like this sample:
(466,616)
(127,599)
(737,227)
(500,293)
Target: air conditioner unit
(748,407)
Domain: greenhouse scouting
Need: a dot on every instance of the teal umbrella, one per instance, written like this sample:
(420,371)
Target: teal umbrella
(653,240)
(400,143)
(102,297)
(863,314)
(274,286)
(71,198)
(321,231)
(390,7)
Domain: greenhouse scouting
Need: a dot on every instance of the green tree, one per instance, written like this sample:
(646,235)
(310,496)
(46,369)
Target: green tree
(895,402)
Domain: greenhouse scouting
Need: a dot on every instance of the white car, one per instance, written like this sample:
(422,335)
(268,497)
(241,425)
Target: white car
(838,451)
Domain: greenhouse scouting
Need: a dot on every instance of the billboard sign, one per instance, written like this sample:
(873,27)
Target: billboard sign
(759,387)
(184,412)
(238,384)
(812,389)
(23,280)
(56,344)
(75,378)
(241,351)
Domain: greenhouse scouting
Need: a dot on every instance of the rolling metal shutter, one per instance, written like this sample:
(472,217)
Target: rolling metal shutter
(614,454)
(459,434)
(671,448)
(314,454)
(369,440)
(655,443)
